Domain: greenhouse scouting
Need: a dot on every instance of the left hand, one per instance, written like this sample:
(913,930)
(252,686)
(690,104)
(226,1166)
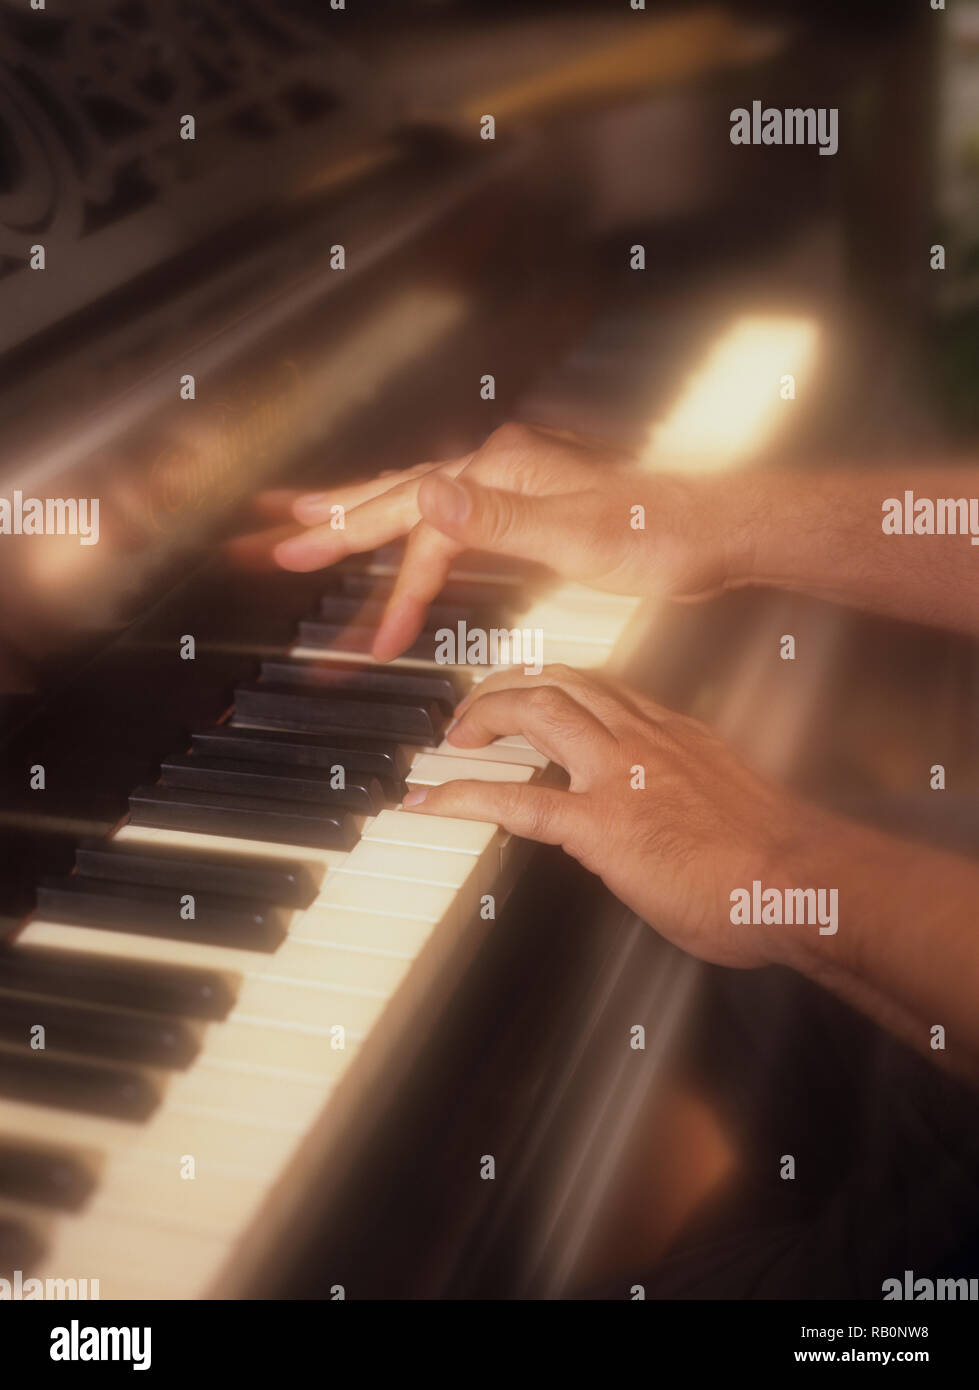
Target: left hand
(673,848)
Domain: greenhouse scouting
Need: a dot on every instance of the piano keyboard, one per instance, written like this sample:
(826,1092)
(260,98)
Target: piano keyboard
(238,966)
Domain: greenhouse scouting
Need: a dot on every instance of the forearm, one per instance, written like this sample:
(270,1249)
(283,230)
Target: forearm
(824,534)
(906,951)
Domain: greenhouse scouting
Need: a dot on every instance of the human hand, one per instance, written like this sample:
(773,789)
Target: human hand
(657,806)
(534,494)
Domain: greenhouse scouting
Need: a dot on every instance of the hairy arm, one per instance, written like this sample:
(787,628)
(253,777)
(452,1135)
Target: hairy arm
(906,952)
(822,534)
(544,496)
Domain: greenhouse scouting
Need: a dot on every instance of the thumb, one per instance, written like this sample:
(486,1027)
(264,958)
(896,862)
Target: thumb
(488,518)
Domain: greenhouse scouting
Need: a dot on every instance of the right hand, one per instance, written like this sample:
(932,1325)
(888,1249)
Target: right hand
(671,845)
(534,494)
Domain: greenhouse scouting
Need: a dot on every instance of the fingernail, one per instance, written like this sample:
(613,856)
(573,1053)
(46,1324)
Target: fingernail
(451,501)
(415,797)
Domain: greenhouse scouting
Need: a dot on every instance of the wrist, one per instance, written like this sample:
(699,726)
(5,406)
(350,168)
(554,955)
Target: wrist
(724,523)
(830,862)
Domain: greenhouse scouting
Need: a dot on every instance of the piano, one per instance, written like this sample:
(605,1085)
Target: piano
(241,989)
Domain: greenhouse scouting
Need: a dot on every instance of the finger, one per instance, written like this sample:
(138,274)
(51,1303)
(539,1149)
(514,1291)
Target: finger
(424,569)
(534,813)
(314,507)
(380,519)
(551,720)
(256,549)
(601,699)
(376,522)
(276,503)
(504,522)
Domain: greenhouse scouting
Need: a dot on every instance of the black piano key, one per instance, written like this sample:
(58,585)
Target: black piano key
(348,611)
(148,910)
(486,566)
(410,719)
(266,880)
(361,794)
(57,1178)
(338,637)
(466,594)
(476,566)
(122,1093)
(445,687)
(21,1246)
(388,762)
(386,559)
(123,1035)
(247,817)
(180,990)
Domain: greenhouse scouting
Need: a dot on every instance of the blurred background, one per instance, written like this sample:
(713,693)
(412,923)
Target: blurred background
(338,258)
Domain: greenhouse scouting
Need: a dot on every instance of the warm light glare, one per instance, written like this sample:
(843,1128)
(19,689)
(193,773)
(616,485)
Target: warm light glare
(737,398)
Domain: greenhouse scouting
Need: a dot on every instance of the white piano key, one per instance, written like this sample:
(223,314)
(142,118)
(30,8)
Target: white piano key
(467,875)
(134,1258)
(515,741)
(400,827)
(497,847)
(424,902)
(492,752)
(436,866)
(400,937)
(248,1095)
(560,622)
(262,1050)
(308,1007)
(211,1201)
(432,770)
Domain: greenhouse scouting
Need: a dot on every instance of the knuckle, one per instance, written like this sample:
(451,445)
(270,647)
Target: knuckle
(549,703)
(565,675)
(509,799)
(539,819)
(510,435)
(496,521)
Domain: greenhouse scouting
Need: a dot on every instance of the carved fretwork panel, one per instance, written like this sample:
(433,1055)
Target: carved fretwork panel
(91,97)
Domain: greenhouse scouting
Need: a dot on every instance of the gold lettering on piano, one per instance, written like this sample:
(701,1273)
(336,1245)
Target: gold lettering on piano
(220,456)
